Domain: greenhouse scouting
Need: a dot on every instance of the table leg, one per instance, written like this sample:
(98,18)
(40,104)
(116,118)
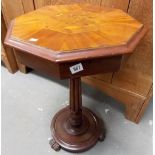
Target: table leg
(75,128)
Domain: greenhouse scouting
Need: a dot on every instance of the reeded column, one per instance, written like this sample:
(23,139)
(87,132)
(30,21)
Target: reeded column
(75,102)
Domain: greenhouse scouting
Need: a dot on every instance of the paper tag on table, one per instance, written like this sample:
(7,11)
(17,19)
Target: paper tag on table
(76,68)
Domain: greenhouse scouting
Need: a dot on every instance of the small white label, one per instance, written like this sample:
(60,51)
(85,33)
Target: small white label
(33,39)
(76,68)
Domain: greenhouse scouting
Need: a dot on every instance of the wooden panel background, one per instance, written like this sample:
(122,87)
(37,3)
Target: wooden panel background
(135,75)
(120,4)
(7,54)
(11,9)
(28,5)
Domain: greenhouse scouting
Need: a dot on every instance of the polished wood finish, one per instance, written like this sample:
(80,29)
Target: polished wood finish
(89,132)
(75,103)
(54,50)
(54,45)
(84,28)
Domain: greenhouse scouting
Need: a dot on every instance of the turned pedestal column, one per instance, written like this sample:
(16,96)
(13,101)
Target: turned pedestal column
(75,128)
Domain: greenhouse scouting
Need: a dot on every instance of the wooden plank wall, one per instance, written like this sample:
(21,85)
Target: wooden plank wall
(7,55)
(28,5)
(136,71)
(120,4)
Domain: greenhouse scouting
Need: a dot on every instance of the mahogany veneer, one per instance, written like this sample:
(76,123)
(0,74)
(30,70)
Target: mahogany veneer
(70,41)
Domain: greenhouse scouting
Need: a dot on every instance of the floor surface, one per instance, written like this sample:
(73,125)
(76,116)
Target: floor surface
(29,101)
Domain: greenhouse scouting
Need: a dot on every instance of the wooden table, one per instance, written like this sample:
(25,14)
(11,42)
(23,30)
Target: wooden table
(70,41)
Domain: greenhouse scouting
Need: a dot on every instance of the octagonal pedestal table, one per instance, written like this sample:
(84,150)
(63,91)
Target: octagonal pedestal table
(71,41)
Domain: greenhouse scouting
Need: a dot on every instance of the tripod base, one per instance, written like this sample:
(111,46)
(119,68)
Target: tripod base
(75,139)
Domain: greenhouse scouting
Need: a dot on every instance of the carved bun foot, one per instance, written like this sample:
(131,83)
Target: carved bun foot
(102,137)
(54,145)
(103,131)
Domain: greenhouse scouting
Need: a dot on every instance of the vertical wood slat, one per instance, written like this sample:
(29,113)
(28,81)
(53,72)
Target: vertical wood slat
(28,5)
(136,70)
(7,54)
(94,2)
(3,28)
(142,10)
(9,59)
(60,2)
(57,2)
(41,3)
(11,9)
(5,59)
(119,4)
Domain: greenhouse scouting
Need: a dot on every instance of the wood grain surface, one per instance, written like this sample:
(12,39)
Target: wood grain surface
(75,27)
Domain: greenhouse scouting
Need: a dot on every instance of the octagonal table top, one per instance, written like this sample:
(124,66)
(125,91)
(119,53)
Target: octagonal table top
(73,32)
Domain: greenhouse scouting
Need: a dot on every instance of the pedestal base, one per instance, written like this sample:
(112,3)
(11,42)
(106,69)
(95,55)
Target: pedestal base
(76,139)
